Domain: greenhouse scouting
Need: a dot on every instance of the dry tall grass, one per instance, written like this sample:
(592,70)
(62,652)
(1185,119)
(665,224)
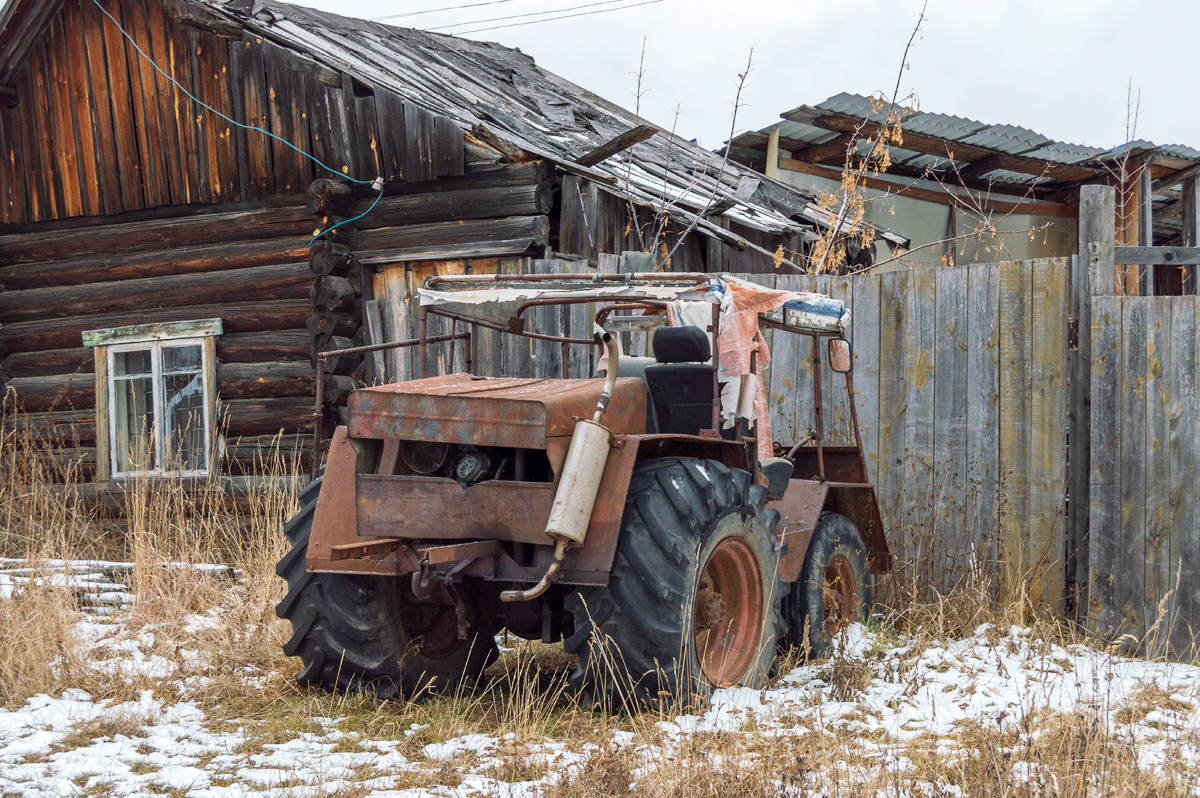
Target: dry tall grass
(194,549)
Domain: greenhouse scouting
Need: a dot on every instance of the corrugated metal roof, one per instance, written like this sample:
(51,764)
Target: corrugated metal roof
(996,138)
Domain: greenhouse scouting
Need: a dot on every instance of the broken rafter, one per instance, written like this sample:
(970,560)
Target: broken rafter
(617,144)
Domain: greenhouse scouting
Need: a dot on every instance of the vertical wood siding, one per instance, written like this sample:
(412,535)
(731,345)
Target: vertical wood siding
(1145,540)
(99,131)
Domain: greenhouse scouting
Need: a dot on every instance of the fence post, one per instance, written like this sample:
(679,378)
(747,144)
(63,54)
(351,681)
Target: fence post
(1092,274)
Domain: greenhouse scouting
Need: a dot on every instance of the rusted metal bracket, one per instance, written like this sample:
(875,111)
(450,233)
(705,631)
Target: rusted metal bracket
(438,555)
(353,551)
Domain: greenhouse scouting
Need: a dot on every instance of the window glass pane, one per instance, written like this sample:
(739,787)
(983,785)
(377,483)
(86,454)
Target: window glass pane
(133,416)
(181,358)
(183,412)
(135,362)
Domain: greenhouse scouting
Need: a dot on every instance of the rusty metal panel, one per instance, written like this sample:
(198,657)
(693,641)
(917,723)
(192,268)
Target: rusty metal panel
(334,518)
(435,508)
(490,411)
(455,552)
(596,554)
(857,502)
(370,548)
(799,511)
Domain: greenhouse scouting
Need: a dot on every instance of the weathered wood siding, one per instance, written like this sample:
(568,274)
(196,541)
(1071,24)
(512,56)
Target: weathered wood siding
(98,131)
(961,392)
(1144,527)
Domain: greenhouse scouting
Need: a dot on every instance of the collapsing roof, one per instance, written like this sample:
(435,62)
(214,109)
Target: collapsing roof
(514,109)
(998,158)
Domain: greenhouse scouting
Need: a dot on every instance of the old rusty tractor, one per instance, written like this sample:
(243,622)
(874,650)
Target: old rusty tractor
(644,518)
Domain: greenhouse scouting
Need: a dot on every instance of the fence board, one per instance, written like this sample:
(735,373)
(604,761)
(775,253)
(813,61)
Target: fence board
(516,351)
(1190,558)
(1158,458)
(950,416)
(790,377)
(547,319)
(841,432)
(1015,311)
(893,398)
(1184,441)
(1045,537)
(577,323)
(983,408)
(486,344)
(864,340)
(919,418)
(1130,587)
(1105,483)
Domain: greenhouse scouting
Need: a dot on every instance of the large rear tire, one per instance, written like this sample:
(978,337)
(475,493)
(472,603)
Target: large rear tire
(693,599)
(369,633)
(834,588)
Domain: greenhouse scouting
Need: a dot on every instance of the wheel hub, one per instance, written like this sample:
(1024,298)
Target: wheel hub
(711,606)
(839,595)
(728,612)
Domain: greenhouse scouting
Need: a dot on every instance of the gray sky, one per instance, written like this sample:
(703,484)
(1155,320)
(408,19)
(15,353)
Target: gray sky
(1060,67)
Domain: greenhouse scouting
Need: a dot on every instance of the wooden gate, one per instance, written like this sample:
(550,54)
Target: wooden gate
(961,390)
(1144,525)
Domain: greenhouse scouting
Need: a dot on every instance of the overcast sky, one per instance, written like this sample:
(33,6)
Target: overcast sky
(1060,67)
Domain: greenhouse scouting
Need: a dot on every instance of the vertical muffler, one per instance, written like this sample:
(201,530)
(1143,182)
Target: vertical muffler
(579,483)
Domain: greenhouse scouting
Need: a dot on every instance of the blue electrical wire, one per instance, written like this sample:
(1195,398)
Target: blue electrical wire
(378,197)
(280,139)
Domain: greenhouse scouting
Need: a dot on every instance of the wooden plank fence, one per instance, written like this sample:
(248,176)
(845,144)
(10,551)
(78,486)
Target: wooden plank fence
(1144,531)
(961,390)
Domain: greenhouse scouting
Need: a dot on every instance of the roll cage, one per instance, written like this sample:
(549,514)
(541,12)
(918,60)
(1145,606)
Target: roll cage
(633,291)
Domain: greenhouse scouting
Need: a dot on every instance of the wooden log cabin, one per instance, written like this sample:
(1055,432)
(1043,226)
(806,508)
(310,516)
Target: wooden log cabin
(168,273)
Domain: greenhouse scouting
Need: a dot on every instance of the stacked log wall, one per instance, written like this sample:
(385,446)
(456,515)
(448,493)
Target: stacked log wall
(248,267)
(282,297)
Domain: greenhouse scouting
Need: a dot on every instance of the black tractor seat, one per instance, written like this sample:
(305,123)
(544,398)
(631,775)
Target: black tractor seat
(680,383)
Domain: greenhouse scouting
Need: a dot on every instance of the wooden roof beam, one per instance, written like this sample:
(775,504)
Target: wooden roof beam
(1177,178)
(975,184)
(942,197)
(617,144)
(917,142)
(945,148)
(816,153)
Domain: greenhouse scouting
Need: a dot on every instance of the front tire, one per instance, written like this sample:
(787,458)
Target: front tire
(693,599)
(834,588)
(369,633)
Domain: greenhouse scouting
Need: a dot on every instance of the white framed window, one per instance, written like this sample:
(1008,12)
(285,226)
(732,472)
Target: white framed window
(156,415)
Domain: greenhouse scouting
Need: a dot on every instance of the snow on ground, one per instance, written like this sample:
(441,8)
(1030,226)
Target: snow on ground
(881,694)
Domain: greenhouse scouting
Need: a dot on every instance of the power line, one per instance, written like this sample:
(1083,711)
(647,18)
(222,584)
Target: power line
(530,14)
(209,108)
(551,19)
(436,10)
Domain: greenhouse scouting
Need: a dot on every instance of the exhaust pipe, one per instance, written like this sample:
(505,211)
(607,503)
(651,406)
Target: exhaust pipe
(580,482)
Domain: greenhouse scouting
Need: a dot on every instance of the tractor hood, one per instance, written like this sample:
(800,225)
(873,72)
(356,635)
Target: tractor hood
(491,411)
